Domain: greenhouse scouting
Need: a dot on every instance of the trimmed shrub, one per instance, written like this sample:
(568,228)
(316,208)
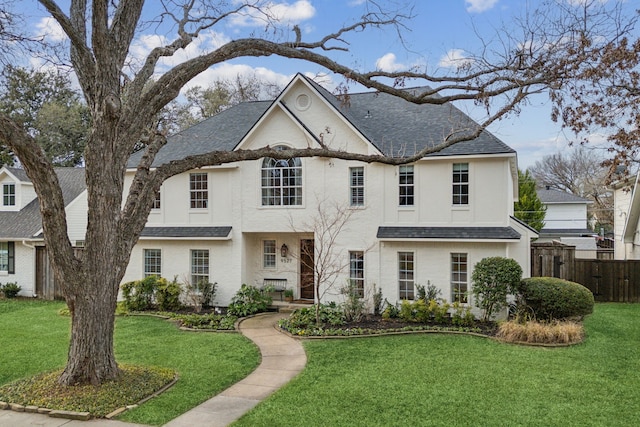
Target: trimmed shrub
(553,298)
(493,279)
(10,290)
(138,295)
(168,294)
(249,300)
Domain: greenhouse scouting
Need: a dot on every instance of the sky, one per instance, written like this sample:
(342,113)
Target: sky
(437,37)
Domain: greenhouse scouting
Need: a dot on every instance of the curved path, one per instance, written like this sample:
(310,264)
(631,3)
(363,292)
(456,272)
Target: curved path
(282,359)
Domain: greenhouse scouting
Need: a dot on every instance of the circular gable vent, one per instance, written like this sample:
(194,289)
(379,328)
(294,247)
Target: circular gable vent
(303,101)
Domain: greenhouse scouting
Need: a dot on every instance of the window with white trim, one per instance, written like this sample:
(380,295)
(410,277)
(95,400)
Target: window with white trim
(459,278)
(281,181)
(199,266)
(199,189)
(406,185)
(356,186)
(406,275)
(8,194)
(356,271)
(156,201)
(8,257)
(461,183)
(269,253)
(152,262)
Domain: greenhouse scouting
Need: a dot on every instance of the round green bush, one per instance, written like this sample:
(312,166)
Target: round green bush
(552,298)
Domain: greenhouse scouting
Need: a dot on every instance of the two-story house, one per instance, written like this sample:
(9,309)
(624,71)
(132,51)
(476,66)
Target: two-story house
(256,221)
(566,221)
(23,258)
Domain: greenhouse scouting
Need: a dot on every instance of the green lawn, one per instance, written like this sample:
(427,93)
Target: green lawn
(34,338)
(452,380)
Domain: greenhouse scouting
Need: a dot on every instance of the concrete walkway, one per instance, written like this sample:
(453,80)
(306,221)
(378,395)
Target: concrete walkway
(282,359)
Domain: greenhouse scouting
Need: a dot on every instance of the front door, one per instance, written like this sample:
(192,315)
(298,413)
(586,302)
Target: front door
(306,269)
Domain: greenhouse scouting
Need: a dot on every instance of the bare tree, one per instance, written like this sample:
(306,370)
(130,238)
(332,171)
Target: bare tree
(124,102)
(581,172)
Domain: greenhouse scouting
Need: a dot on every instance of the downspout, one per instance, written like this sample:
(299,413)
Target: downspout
(33,248)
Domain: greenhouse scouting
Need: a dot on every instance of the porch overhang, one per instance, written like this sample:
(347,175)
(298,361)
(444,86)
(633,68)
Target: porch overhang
(191,233)
(446,234)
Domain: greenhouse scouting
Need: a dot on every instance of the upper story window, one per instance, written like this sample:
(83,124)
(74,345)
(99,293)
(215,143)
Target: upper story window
(406,188)
(152,262)
(199,188)
(356,186)
(156,201)
(7,257)
(459,278)
(8,194)
(281,181)
(461,183)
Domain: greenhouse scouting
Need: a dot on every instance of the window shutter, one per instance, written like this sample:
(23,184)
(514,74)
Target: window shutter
(11,249)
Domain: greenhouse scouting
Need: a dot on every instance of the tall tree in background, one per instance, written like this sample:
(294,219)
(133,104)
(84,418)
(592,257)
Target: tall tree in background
(529,208)
(124,99)
(49,110)
(580,172)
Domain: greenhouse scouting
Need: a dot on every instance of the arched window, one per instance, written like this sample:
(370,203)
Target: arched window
(281,181)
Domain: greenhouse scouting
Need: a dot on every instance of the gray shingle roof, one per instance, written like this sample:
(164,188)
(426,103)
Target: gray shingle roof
(551,196)
(462,233)
(566,232)
(190,232)
(392,124)
(25,223)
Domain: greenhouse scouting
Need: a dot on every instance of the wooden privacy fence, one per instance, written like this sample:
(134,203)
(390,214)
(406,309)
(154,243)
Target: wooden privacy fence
(609,280)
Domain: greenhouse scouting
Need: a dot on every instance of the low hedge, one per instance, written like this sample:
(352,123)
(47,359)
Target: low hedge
(553,298)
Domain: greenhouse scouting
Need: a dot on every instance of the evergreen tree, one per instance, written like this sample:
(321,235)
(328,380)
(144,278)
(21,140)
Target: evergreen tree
(529,208)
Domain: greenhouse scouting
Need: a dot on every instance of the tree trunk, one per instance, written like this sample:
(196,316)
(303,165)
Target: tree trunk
(91,358)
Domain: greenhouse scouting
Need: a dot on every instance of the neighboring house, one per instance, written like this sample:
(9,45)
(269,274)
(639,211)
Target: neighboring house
(23,258)
(626,218)
(566,221)
(252,222)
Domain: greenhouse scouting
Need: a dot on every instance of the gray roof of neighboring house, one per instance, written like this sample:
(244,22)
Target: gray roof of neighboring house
(463,233)
(392,124)
(24,223)
(551,196)
(186,232)
(576,232)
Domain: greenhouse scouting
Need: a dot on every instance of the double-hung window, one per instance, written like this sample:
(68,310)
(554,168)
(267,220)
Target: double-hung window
(356,186)
(7,257)
(152,262)
(199,189)
(8,194)
(199,266)
(406,185)
(459,278)
(405,275)
(356,272)
(156,201)
(461,183)
(269,253)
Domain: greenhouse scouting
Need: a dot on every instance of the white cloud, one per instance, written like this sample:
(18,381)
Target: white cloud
(388,63)
(455,58)
(51,30)
(478,6)
(282,12)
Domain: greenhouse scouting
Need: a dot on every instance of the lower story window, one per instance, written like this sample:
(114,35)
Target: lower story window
(152,262)
(356,272)
(269,253)
(459,278)
(199,266)
(405,275)
(8,257)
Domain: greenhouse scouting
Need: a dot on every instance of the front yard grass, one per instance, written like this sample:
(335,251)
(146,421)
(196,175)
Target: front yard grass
(34,339)
(445,380)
